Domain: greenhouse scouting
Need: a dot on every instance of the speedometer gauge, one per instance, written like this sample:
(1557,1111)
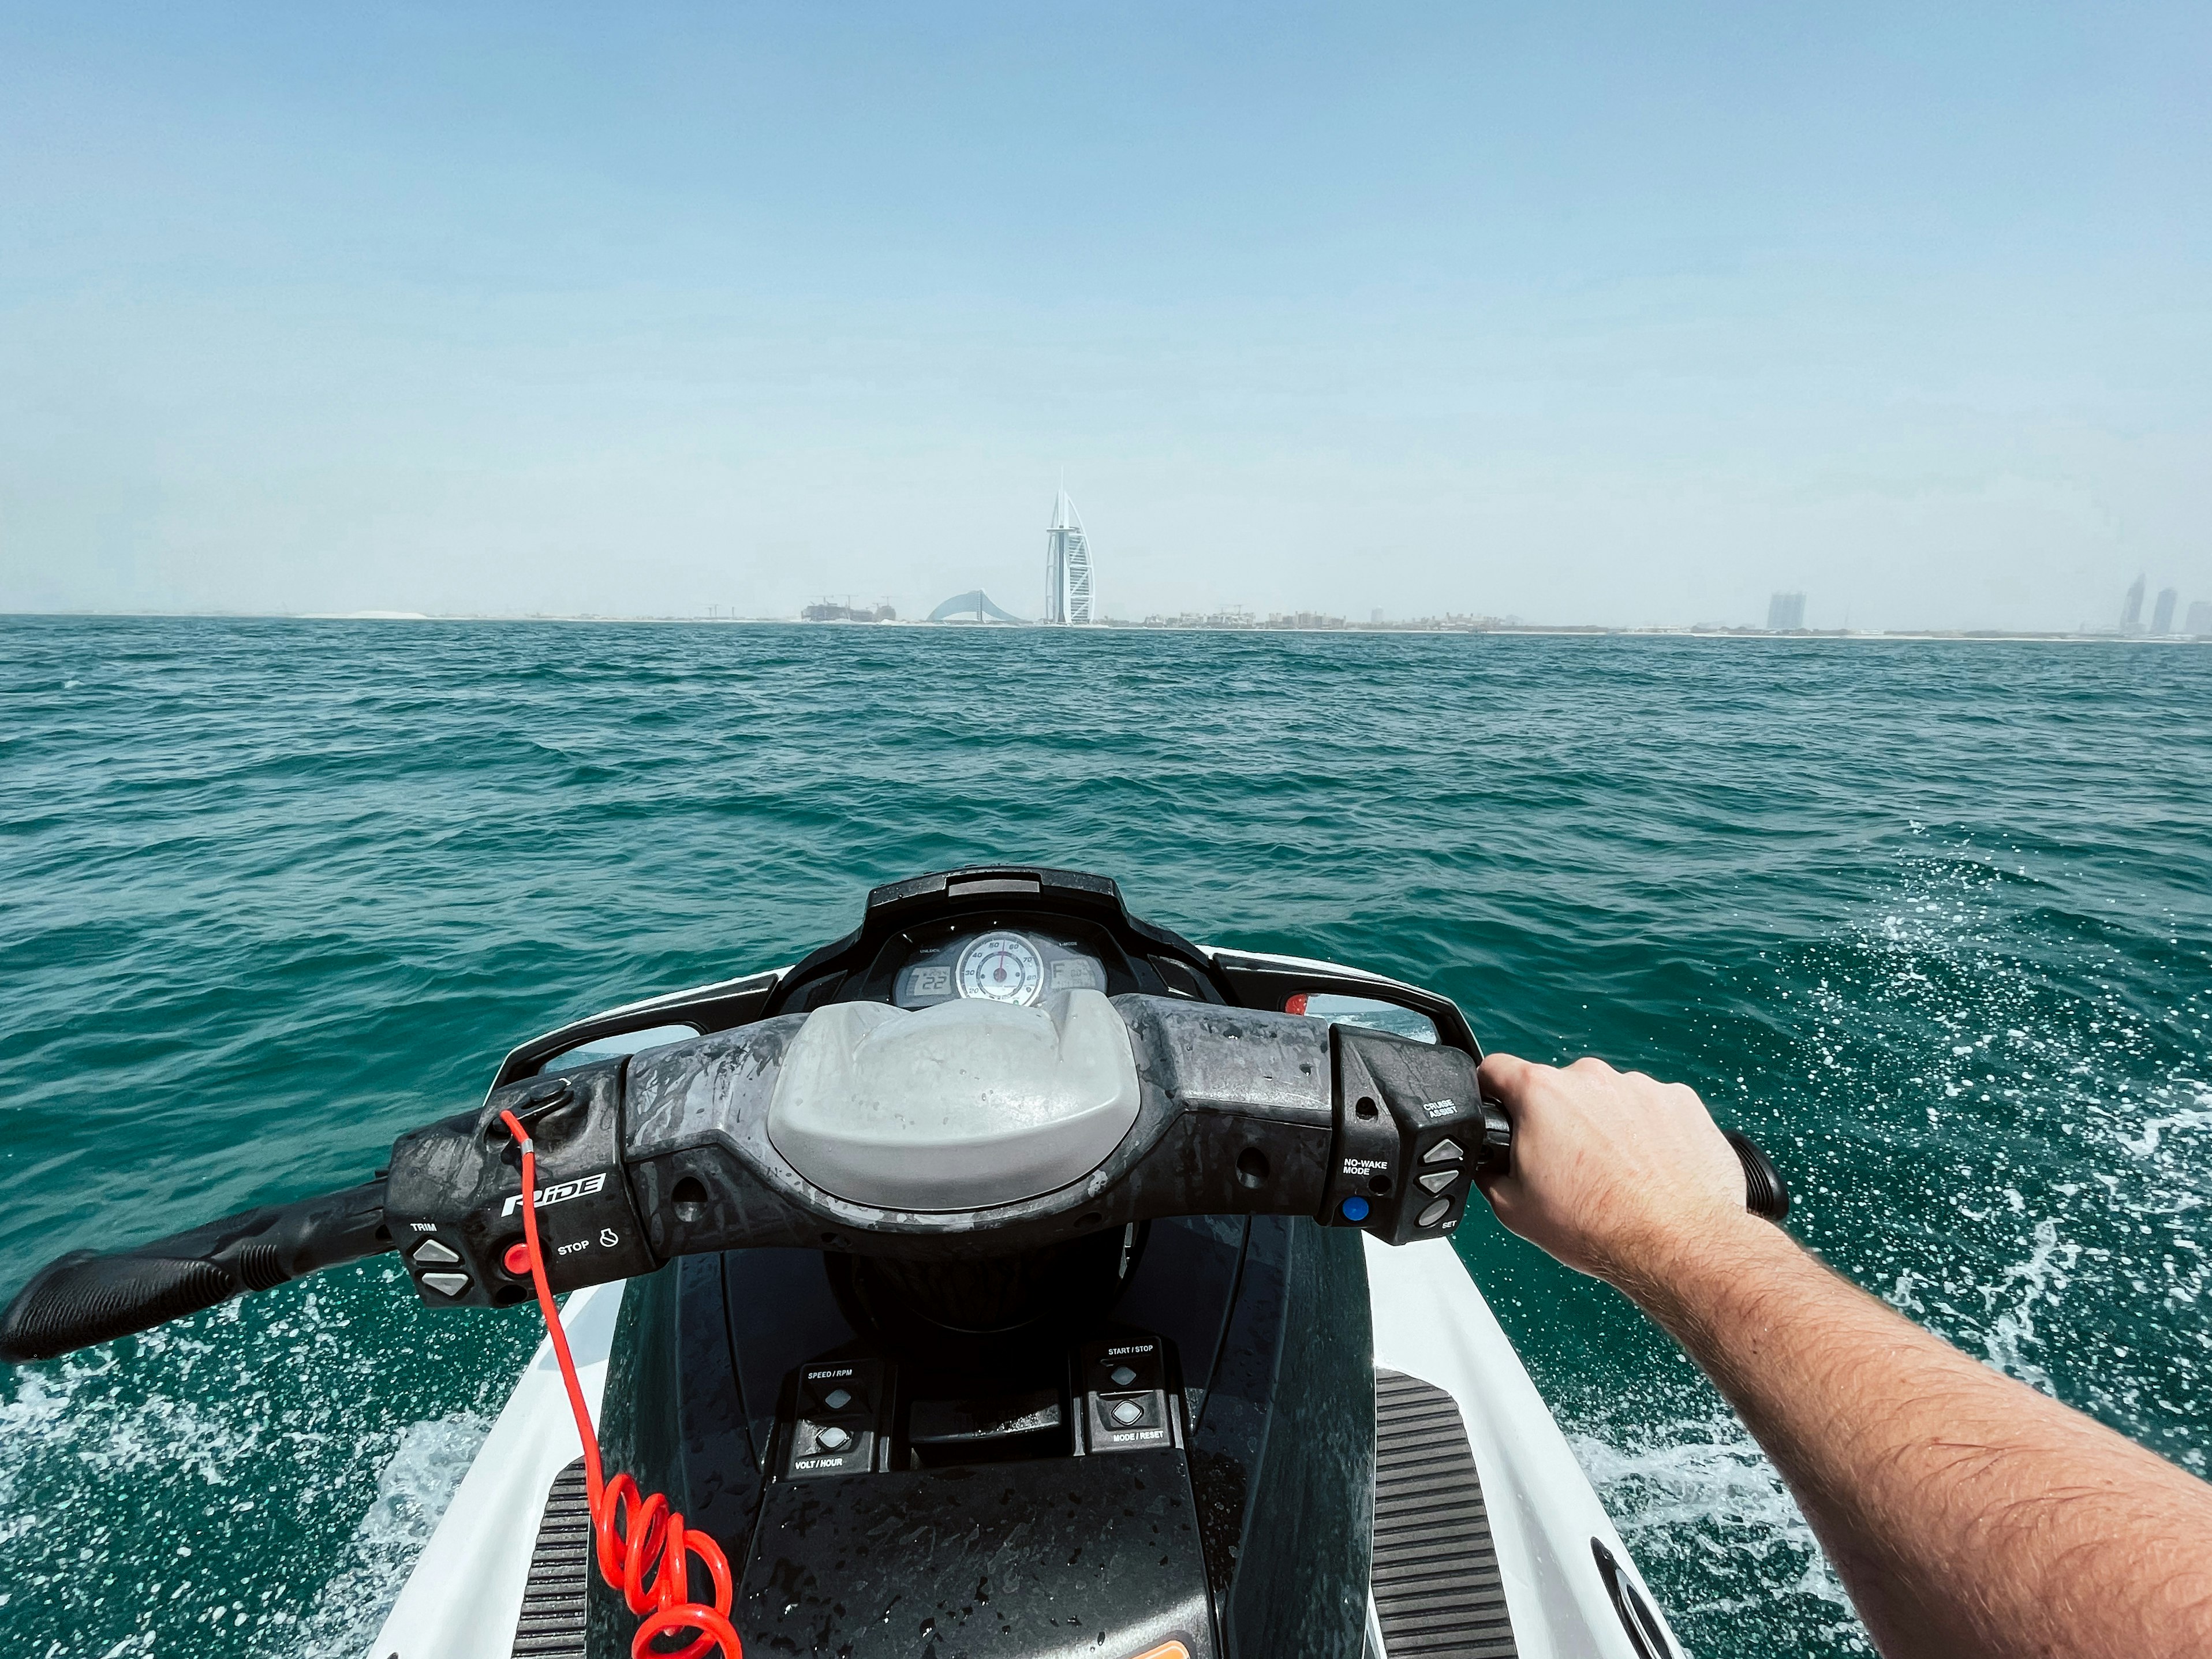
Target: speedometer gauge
(1001,967)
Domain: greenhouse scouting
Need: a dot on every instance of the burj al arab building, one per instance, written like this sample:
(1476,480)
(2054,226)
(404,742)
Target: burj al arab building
(1067,567)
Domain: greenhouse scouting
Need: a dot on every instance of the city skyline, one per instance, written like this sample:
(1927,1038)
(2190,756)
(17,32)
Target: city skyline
(1786,611)
(1070,600)
(1786,614)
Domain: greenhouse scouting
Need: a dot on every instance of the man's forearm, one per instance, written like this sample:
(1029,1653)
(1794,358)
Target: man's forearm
(1962,1509)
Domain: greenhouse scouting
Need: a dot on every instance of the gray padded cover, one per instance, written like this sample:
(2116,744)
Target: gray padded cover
(958,1107)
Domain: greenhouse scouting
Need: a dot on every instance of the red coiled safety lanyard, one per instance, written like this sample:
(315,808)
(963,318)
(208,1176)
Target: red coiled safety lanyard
(636,1535)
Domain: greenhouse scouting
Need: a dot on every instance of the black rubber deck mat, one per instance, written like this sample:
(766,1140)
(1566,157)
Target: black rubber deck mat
(1437,1594)
(552,1622)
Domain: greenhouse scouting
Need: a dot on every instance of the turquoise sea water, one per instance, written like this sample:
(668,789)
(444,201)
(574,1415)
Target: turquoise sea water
(1933,921)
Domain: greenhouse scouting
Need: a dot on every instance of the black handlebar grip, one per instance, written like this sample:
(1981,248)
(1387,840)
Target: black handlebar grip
(1764,1193)
(85,1297)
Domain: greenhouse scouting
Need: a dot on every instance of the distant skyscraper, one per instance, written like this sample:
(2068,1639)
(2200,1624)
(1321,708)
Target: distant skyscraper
(1067,567)
(2200,617)
(1785,612)
(2162,615)
(2131,612)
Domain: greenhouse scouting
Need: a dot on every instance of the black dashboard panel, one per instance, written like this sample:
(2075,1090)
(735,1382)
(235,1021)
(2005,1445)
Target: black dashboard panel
(1062,913)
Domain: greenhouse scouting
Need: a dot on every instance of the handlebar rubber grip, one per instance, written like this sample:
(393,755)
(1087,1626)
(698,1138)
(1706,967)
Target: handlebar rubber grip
(86,1298)
(1764,1193)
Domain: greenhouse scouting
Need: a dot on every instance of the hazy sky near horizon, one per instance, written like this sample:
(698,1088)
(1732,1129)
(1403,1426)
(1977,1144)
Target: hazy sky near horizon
(1578,312)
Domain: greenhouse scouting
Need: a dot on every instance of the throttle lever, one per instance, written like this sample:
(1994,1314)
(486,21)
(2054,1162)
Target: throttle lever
(1765,1194)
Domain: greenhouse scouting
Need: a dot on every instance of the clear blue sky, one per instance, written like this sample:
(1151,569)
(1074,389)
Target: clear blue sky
(1610,313)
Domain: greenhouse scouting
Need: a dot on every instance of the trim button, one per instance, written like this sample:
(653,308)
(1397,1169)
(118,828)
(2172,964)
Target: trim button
(433,1254)
(446,1284)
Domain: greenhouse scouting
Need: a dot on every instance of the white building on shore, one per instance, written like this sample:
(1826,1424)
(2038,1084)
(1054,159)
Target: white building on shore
(1067,592)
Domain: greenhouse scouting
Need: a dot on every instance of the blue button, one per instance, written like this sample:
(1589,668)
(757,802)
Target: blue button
(1355,1209)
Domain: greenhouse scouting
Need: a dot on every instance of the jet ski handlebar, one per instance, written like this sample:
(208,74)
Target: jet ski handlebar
(975,1129)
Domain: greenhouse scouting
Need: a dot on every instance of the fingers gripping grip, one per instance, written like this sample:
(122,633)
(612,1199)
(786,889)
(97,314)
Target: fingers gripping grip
(1413,1129)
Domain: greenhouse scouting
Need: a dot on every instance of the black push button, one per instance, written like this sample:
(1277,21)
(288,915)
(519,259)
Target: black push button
(1124,1365)
(840,1387)
(823,1449)
(1129,1423)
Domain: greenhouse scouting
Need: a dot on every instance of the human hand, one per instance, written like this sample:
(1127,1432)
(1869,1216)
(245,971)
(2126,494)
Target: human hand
(1615,1173)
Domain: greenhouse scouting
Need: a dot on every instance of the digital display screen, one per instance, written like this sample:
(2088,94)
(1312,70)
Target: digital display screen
(1077,974)
(930,981)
